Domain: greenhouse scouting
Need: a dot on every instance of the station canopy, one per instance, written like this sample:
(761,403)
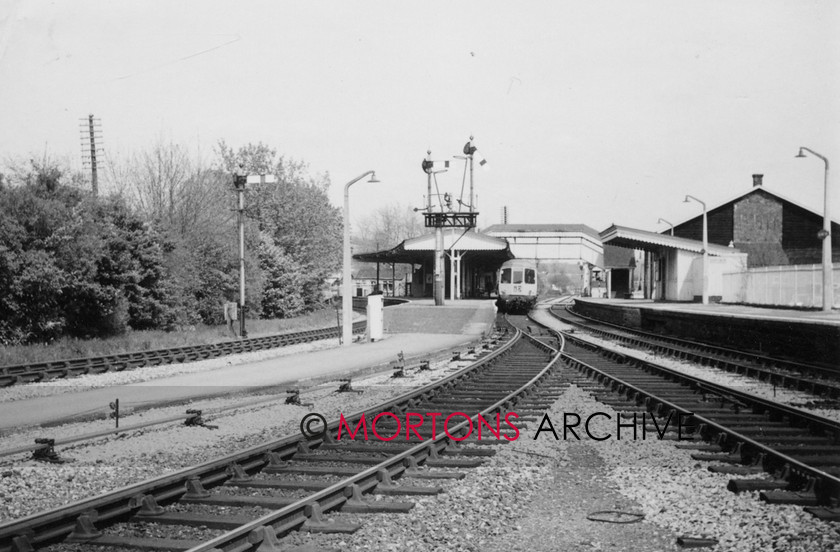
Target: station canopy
(477,247)
(633,238)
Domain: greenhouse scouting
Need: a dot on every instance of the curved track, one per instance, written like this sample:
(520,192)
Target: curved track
(272,478)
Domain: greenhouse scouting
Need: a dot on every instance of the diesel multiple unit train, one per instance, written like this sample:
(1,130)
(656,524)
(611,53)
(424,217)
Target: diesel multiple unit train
(517,280)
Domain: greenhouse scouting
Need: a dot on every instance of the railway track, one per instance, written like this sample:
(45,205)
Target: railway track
(810,378)
(747,435)
(44,371)
(293,482)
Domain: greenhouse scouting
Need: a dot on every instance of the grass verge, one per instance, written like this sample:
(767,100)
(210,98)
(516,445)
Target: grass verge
(153,339)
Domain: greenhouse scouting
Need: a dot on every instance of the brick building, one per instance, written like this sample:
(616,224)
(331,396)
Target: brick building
(771,229)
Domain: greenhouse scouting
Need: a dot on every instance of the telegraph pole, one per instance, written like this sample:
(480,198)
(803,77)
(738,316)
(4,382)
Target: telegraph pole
(91,130)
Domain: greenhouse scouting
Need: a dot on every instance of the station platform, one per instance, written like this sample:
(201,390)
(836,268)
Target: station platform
(472,320)
(459,316)
(806,335)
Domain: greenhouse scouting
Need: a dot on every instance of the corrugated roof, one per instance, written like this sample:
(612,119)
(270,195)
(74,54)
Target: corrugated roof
(638,239)
(554,228)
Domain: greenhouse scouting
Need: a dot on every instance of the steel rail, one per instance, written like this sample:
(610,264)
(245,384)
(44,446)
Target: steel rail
(65,368)
(826,486)
(290,517)
(53,525)
(766,363)
(165,420)
(697,383)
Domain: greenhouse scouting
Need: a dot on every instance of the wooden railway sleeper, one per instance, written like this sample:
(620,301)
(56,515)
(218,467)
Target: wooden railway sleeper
(22,543)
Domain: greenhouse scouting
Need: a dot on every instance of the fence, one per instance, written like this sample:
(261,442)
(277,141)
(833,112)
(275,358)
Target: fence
(792,286)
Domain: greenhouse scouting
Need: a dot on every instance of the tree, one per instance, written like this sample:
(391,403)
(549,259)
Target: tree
(295,214)
(192,206)
(388,226)
(283,279)
(77,264)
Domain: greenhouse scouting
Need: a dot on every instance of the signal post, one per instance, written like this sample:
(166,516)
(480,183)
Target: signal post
(447,217)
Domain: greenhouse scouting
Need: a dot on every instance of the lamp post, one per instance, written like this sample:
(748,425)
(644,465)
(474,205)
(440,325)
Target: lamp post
(705,249)
(346,293)
(668,223)
(825,236)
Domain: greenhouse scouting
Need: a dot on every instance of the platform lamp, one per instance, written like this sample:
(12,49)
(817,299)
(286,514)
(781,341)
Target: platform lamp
(705,249)
(825,236)
(347,284)
(671,224)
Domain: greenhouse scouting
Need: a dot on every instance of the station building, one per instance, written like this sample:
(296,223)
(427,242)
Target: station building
(569,257)
(763,249)
(472,259)
(771,228)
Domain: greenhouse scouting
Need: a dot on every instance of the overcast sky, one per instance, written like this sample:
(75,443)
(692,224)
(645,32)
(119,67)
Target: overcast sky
(587,112)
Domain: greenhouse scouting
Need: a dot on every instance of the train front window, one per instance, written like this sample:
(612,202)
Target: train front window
(517,276)
(505,275)
(530,276)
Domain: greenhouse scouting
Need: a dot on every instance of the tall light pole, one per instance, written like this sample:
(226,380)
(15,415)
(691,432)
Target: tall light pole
(705,249)
(347,284)
(668,223)
(825,236)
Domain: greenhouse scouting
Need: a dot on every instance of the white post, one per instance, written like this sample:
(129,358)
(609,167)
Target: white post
(825,236)
(346,298)
(705,292)
(347,284)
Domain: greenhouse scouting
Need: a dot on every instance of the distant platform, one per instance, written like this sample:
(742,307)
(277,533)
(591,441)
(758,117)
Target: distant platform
(464,316)
(720,309)
(807,336)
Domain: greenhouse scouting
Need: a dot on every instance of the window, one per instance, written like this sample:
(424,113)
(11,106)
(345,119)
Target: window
(517,276)
(505,276)
(530,276)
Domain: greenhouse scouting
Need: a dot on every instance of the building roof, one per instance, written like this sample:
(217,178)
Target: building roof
(463,241)
(755,189)
(419,249)
(633,238)
(542,228)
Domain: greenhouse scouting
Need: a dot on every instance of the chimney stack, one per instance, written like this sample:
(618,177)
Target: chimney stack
(757,180)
